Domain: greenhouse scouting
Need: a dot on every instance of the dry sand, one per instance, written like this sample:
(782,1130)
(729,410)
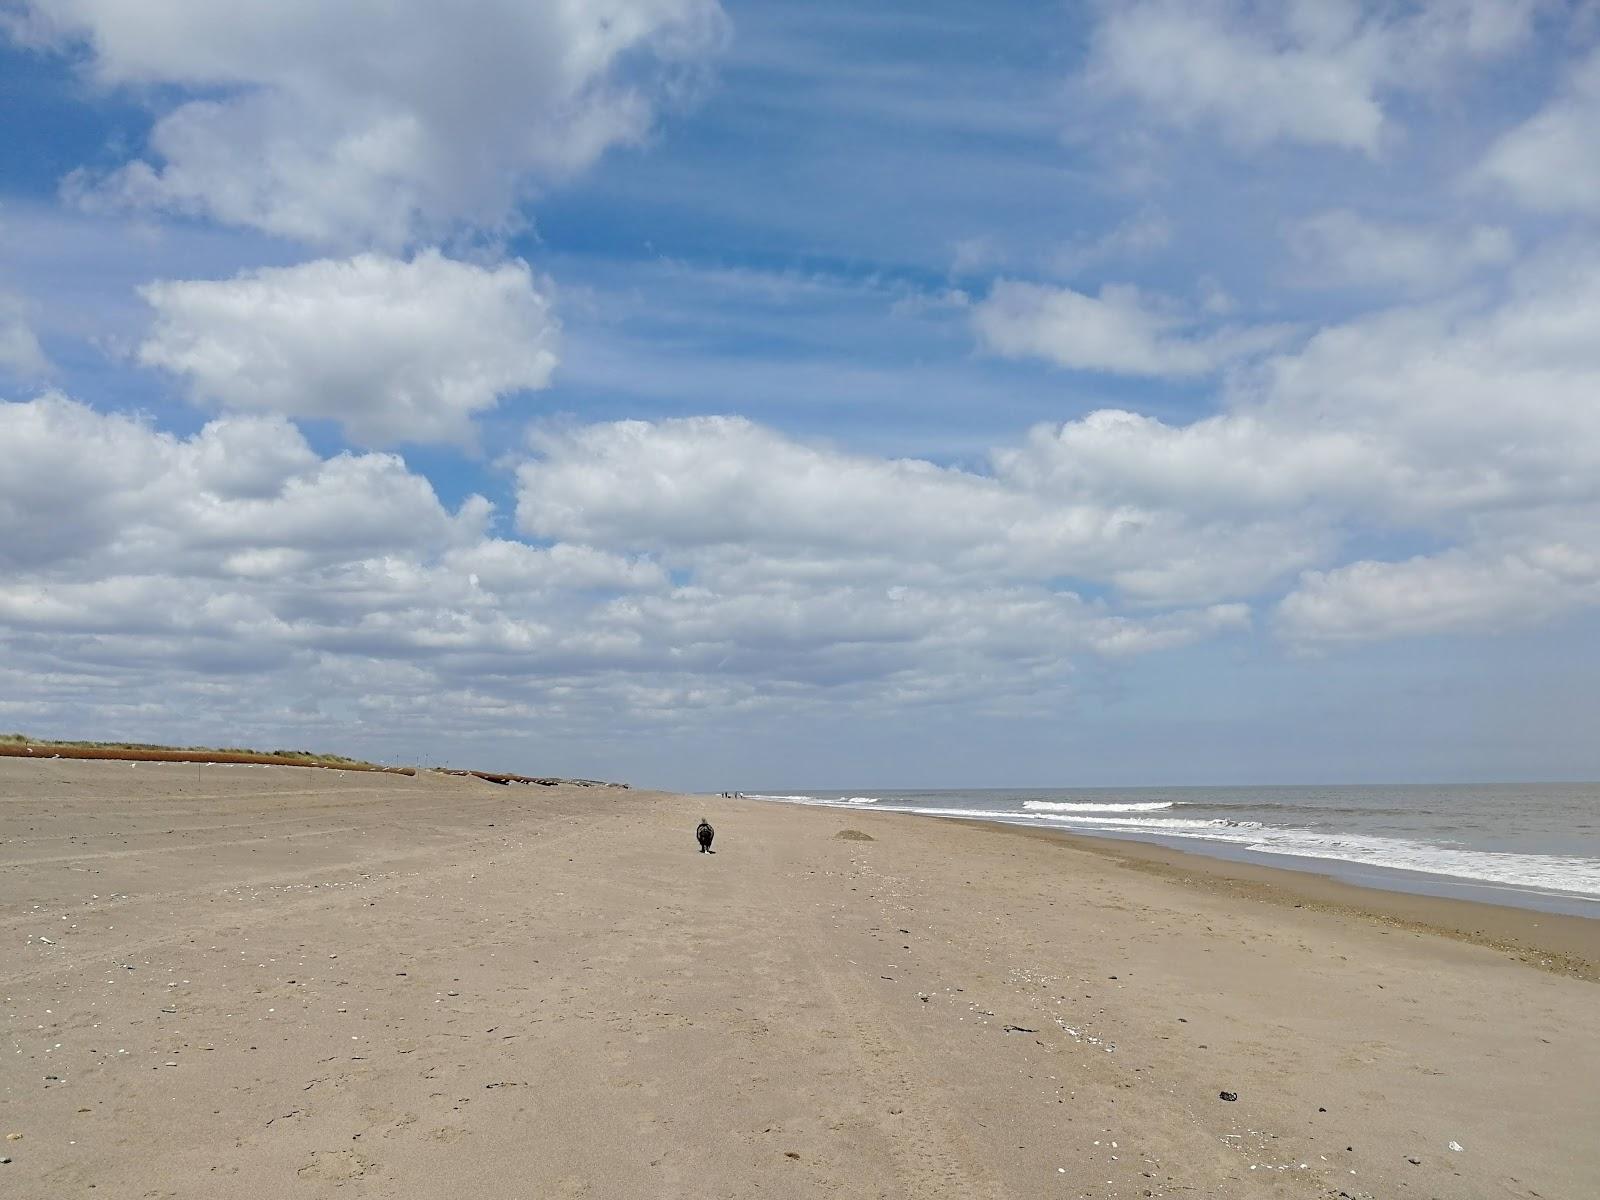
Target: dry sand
(279,982)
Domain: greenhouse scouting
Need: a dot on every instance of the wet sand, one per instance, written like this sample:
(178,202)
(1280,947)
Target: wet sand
(1557,942)
(263,981)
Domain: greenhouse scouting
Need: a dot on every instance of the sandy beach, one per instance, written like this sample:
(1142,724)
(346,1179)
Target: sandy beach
(273,981)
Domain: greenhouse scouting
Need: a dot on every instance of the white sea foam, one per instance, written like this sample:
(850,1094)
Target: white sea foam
(1153,824)
(1569,874)
(1560,872)
(1088,807)
(812,799)
(970,814)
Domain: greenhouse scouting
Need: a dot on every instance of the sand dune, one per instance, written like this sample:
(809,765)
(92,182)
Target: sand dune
(254,981)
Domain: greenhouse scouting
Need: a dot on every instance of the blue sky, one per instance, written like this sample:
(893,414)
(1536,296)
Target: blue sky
(733,395)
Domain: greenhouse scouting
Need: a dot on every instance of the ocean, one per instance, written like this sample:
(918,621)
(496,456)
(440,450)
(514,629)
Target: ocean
(1534,845)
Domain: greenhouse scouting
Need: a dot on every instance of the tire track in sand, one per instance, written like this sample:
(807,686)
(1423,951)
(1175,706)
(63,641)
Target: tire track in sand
(933,1158)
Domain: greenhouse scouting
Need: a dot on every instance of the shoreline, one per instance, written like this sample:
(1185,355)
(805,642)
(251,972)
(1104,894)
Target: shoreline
(1547,860)
(1557,942)
(1562,942)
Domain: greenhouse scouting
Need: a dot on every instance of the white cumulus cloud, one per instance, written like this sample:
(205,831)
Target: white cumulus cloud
(237,570)
(1467,423)
(375,122)
(1310,71)
(20,352)
(109,491)
(1551,162)
(1340,248)
(394,350)
(1120,331)
(1459,591)
(745,506)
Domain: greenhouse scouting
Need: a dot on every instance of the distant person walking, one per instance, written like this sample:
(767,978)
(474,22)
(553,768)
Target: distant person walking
(703,833)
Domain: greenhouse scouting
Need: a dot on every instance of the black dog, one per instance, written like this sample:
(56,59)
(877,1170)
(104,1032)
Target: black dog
(703,833)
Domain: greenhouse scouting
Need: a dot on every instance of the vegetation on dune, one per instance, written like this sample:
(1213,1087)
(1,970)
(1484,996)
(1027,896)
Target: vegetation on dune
(306,757)
(21,745)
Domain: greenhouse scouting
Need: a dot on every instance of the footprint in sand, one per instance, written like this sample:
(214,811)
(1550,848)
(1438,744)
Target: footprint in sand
(337,1165)
(401,1124)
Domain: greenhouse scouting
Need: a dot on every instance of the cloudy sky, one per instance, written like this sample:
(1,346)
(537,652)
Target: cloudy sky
(756,394)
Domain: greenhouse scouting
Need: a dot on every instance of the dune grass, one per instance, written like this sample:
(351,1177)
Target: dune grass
(307,757)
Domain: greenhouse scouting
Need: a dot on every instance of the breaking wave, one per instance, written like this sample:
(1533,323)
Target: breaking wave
(1571,874)
(1059,807)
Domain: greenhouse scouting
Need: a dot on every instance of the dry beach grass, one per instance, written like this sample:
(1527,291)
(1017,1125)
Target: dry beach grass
(18,745)
(258,981)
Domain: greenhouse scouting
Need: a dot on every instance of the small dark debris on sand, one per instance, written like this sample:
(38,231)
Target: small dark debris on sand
(1227,1095)
(504,779)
